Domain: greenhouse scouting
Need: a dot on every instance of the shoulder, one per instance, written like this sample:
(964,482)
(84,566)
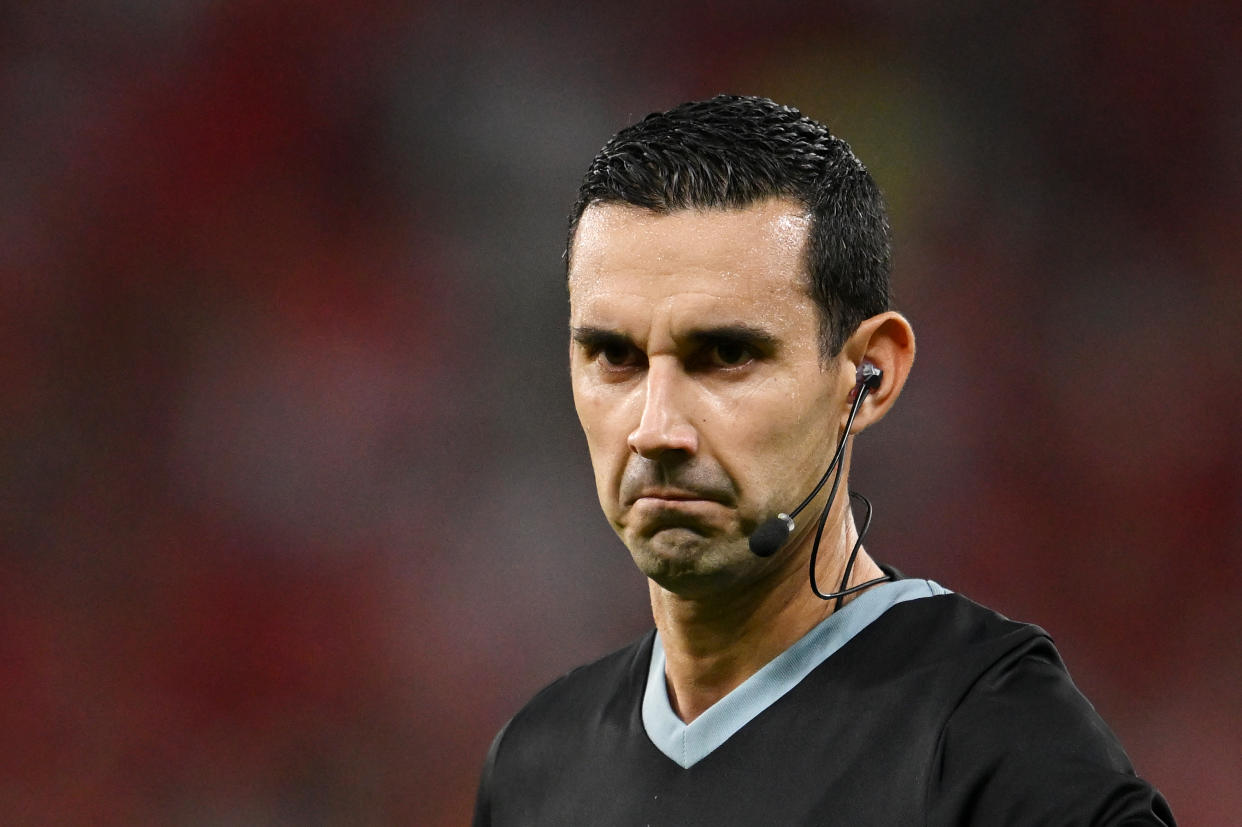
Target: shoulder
(945,623)
(947,635)
(585,687)
(1012,739)
(1016,734)
(563,720)
(609,686)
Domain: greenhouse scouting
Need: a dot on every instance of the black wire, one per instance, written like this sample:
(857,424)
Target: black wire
(863,390)
(842,592)
(819,533)
(849,565)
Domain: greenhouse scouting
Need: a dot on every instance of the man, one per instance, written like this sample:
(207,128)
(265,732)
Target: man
(728,267)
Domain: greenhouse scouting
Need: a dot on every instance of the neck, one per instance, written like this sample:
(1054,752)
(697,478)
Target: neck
(713,643)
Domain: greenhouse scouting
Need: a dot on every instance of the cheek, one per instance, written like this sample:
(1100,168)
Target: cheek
(776,438)
(603,418)
(771,415)
(808,427)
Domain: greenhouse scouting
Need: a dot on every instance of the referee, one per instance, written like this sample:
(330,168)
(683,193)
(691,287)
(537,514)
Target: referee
(728,267)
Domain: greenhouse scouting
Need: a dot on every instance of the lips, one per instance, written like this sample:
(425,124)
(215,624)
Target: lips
(689,483)
(671,495)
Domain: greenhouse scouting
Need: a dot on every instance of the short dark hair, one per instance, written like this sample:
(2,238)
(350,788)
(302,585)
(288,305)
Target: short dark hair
(733,151)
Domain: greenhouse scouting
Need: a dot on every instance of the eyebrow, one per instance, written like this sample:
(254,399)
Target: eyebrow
(598,337)
(740,333)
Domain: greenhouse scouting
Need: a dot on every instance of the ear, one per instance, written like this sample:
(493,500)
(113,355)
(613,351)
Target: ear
(886,341)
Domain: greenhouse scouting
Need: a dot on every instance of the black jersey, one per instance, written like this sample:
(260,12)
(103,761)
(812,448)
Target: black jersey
(937,711)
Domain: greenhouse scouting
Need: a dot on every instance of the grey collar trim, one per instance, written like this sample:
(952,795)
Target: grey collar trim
(687,744)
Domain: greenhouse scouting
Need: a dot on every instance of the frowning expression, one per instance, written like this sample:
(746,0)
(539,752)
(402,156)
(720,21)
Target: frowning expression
(698,378)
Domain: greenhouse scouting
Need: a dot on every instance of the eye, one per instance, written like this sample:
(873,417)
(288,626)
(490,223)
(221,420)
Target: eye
(618,354)
(730,354)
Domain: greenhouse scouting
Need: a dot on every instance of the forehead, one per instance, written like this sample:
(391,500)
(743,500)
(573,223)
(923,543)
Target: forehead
(734,260)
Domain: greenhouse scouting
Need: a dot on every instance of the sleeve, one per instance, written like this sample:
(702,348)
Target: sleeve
(1024,746)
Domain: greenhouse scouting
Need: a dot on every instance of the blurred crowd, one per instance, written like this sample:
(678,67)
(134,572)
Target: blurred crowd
(294,511)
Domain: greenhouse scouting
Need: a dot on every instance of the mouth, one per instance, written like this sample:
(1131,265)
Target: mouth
(652,510)
(671,495)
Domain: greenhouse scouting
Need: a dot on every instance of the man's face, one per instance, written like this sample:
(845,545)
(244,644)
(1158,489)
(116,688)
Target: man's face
(698,380)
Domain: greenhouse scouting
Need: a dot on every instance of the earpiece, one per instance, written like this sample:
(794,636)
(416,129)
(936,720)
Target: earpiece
(869,375)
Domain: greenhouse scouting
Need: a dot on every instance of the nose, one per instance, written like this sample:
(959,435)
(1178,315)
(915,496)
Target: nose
(664,426)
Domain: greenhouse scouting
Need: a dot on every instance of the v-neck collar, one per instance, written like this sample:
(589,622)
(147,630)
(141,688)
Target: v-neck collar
(687,744)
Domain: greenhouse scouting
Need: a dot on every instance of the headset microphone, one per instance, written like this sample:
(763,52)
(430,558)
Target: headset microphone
(773,533)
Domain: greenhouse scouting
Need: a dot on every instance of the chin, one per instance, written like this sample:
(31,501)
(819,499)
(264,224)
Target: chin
(682,560)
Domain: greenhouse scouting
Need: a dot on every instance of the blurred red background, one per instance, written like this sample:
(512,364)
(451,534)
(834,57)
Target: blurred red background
(294,512)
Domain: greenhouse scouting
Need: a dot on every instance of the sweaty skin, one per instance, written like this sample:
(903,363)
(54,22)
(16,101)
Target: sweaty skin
(708,407)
